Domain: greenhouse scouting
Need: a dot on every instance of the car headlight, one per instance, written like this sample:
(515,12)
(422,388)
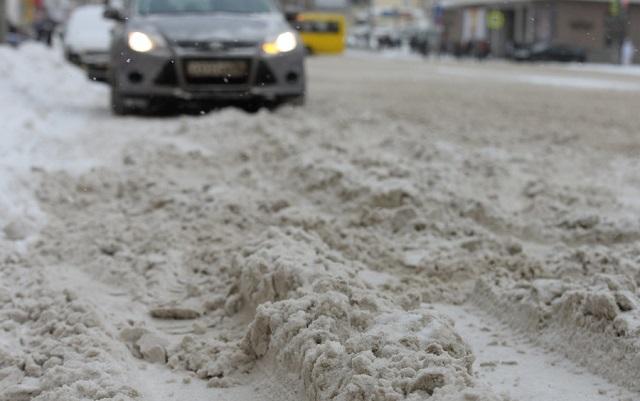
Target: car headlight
(144,42)
(285,42)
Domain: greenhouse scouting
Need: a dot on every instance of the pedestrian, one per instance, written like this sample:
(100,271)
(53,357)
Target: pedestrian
(628,52)
(44,26)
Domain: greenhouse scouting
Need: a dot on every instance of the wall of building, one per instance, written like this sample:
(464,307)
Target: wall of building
(452,26)
(572,22)
(399,3)
(524,26)
(14,11)
(583,24)
(474,24)
(296,4)
(543,23)
(634,29)
(20,13)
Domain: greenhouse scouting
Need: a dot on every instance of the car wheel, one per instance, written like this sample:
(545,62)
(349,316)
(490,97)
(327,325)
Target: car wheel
(253,106)
(296,101)
(293,101)
(118,105)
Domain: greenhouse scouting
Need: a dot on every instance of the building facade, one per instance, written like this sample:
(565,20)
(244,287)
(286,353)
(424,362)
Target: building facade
(314,4)
(21,13)
(598,27)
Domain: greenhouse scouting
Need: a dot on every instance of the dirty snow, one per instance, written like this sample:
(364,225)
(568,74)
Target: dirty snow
(554,80)
(39,130)
(632,70)
(331,252)
(515,364)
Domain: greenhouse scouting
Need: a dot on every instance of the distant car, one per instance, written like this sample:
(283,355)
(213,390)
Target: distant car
(321,33)
(204,51)
(86,38)
(549,52)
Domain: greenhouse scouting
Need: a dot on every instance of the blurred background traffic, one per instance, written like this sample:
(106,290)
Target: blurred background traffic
(602,31)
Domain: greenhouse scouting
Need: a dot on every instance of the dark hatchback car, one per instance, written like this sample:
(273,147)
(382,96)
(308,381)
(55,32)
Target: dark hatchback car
(549,52)
(203,51)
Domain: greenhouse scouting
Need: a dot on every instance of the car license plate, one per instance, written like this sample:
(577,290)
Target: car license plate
(206,69)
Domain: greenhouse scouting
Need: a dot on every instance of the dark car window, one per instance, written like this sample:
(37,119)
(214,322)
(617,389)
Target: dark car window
(204,6)
(317,26)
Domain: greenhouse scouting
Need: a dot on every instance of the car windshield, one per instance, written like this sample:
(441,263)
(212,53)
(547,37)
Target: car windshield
(146,7)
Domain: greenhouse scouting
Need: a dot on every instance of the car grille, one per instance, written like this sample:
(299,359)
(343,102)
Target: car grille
(264,75)
(168,75)
(214,46)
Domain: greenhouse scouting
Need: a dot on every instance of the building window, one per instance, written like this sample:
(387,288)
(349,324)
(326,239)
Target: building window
(581,25)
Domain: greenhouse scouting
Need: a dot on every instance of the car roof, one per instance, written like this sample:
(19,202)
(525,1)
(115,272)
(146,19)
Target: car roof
(321,16)
(90,9)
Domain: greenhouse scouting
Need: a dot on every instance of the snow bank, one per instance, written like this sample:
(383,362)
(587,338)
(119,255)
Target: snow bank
(572,312)
(279,283)
(548,79)
(41,96)
(344,340)
(630,70)
(308,247)
(60,348)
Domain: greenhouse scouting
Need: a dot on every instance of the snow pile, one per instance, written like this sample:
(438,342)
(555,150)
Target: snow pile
(232,255)
(550,80)
(267,254)
(614,69)
(347,343)
(590,301)
(41,95)
(301,252)
(58,348)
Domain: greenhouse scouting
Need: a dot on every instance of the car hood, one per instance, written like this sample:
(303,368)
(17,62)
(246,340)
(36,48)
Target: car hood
(222,27)
(89,41)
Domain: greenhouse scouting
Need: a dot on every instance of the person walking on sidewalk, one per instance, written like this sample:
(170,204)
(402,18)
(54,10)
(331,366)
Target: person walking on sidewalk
(44,26)
(628,52)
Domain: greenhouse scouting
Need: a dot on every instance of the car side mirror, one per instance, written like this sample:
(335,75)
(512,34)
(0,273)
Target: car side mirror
(113,14)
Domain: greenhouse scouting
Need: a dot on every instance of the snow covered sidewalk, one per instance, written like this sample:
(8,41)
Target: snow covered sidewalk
(46,109)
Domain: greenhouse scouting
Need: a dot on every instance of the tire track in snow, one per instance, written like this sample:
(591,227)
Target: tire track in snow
(510,363)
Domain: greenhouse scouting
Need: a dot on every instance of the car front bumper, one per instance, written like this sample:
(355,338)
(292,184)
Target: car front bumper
(96,64)
(152,75)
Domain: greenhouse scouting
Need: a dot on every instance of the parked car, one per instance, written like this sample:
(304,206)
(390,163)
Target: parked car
(86,38)
(549,52)
(204,51)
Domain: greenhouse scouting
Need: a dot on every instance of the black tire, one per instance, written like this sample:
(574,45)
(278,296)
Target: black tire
(118,105)
(97,75)
(118,100)
(253,106)
(296,101)
(293,101)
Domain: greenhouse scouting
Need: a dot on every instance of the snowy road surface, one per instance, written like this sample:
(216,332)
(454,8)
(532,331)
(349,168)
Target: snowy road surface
(420,230)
